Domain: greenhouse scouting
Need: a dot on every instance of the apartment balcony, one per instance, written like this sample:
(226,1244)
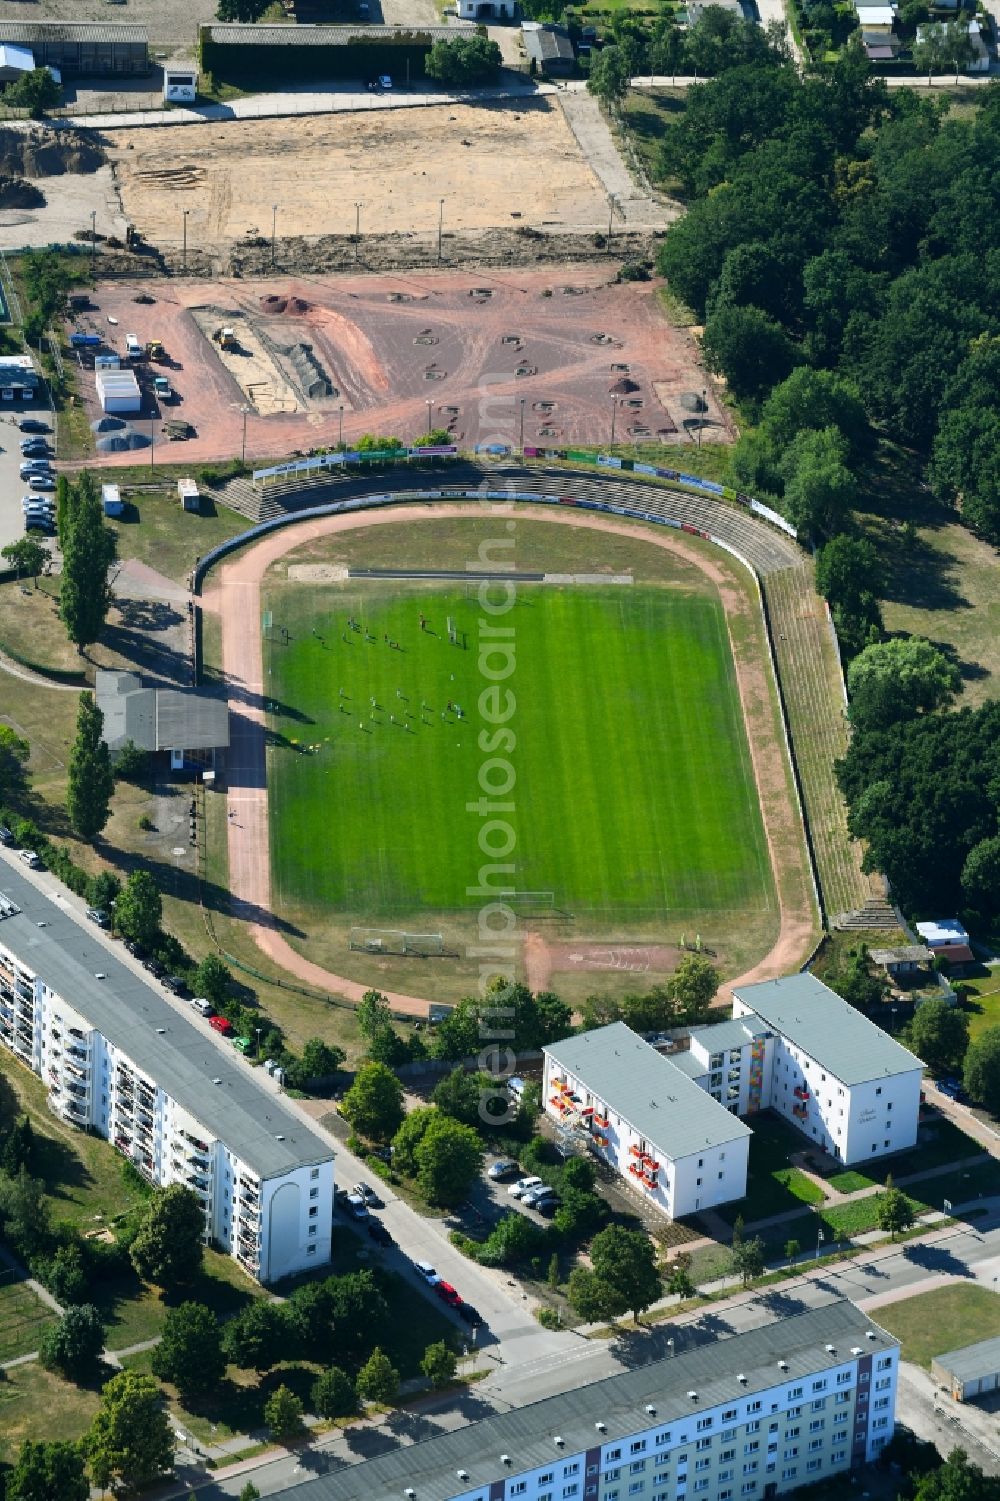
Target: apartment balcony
(800,1112)
(800,1092)
(123,1143)
(199,1146)
(201,1186)
(252,1263)
(79,1054)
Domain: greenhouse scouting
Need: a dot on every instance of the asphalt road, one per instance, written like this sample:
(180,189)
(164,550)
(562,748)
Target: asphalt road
(11,486)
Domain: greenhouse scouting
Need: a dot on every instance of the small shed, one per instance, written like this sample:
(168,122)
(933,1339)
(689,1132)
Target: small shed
(877,18)
(549,49)
(486,10)
(907,959)
(118,391)
(180,83)
(111,500)
(107,362)
(15,62)
(190,498)
(941,931)
(972,1371)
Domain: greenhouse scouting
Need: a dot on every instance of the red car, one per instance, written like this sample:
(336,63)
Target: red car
(221,1025)
(447,1294)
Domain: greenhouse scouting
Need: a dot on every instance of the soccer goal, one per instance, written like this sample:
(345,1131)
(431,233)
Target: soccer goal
(537,903)
(396,941)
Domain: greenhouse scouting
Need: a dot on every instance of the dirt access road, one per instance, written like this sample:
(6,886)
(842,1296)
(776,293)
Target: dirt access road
(234,596)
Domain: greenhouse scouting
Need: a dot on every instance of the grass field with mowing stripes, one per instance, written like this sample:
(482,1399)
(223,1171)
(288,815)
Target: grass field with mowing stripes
(634,794)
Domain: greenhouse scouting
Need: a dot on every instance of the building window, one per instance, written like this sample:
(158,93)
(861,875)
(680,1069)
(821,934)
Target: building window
(754,1426)
(814,1464)
(878,1089)
(795,1391)
(704,1423)
(573,1468)
(727,1434)
(637,1467)
(703,1464)
(701,1485)
(883,1384)
(754,1406)
(703,1443)
(816,1425)
(636,1487)
(818,1405)
(519,1487)
(314,1172)
(571,1490)
(314,1193)
(750,1467)
(819,1386)
(614,1453)
(638,1447)
(612,1474)
(752,1447)
(838,1457)
(883,1363)
(664,1437)
(310,1250)
(546,1479)
(791,1453)
(729,1414)
(790,1473)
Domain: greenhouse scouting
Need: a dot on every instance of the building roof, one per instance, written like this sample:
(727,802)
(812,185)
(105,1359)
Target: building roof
(906,953)
(955,953)
(20,58)
(326,36)
(159,718)
(688,1064)
(639,1084)
(711,1369)
(549,44)
(942,930)
(876,15)
(221,1092)
(814,1018)
(72,31)
(980,1359)
(734,1033)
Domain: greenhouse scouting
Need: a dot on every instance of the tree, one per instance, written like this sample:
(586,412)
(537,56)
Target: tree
(609,78)
(319,1063)
(14,754)
(130,1441)
(848,573)
(358,1310)
(104,891)
(626,1261)
(139,910)
(212,980)
(746,1259)
(459,1093)
(18,1148)
(820,489)
(899,679)
(36,92)
(815,399)
(167,1248)
(249,1492)
(409,1136)
(257,1338)
(956,1480)
(283,1413)
(679,1279)
(66,1276)
(131,762)
(982,1069)
(895,1212)
(24,1213)
(88,552)
(48,1471)
(748,347)
(374,1103)
(378,1379)
(939,1034)
(26,556)
(333,1394)
(471,59)
(91,780)
(439,1364)
(981,876)
(244,11)
(190,1350)
(372,1014)
(73,1346)
(580,1173)
(792,1249)
(692,988)
(594,1299)
(448,1157)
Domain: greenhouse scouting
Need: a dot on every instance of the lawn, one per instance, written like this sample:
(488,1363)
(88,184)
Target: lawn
(36,1405)
(23,1319)
(981,1001)
(772,1186)
(156,531)
(370,815)
(946,1319)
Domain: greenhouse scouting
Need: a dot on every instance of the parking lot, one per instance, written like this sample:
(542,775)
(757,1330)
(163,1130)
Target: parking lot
(11,486)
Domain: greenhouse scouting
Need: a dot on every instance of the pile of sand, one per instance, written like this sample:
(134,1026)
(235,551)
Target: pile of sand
(295,307)
(37,151)
(16,193)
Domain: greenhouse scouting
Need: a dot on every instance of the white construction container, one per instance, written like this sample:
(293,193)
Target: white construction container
(187,489)
(111,500)
(118,391)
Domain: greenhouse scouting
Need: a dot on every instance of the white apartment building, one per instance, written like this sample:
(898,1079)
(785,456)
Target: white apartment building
(682,1151)
(119,1060)
(740,1418)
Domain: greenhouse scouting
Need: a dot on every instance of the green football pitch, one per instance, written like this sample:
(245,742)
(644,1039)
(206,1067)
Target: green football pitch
(634,796)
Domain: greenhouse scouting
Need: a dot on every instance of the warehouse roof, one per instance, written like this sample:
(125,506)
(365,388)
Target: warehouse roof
(159,718)
(325,36)
(737,1366)
(972,1361)
(73,31)
(639,1084)
(223,1094)
(734,1033)
(814,1018)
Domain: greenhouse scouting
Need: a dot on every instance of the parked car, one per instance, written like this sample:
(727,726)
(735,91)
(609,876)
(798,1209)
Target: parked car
(425,1270)
(369,1196)
(6,837)
(384,81)
(99,916)
(546,1207)
(949,1087)
(470,1315)
(354,1203)
(447,1293)
(34,445)
(378,1232)
(500,1171)
(31,860)
(203,1007)
(37,503)
(536,1196)
(41,482)
(33,425)
(34,466)
(36,521)
(222,1025)
(162,388)
(520,1188)
(174,984)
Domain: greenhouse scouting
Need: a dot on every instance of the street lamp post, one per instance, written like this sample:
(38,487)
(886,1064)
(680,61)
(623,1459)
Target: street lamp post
(614,415)
(340,435)
(185,251)
(246,412)
(93,246)
(611,219)
(258,1031)
(274,230)
(152,442)
(521,432)
(357,231)
(430,404)
(440,227)
(701,419)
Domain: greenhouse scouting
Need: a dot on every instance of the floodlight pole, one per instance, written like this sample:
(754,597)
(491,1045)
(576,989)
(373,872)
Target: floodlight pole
(357,231)
(93,246)
(274,230)
(246,411)
(614,414)
(440,227)
(521,435)
(340,437)
(185,252)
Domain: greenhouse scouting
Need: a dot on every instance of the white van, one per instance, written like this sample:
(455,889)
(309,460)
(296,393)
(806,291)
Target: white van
(203,1007)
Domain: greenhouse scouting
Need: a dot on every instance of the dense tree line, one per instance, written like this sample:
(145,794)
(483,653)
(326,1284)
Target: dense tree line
(839,228)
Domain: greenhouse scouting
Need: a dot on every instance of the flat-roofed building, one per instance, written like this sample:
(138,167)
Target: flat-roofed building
(119,1060)
(95,49)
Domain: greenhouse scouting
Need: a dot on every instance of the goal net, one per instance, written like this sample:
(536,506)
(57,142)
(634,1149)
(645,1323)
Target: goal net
(396,941)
